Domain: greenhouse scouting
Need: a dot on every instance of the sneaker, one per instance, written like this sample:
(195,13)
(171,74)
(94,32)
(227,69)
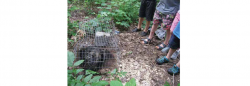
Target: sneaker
(175,54)
(161,60)
(165,50)
(174,70)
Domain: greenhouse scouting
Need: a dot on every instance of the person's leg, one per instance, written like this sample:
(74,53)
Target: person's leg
(149,15)
(167,21)
(156,22)
(175,54)
(142,14)
(168,33)
(170,53)
(145,31)
(154,28)
(174,44)
(152,32)
(140,22)
(178,64)
(147,26)
(174,24)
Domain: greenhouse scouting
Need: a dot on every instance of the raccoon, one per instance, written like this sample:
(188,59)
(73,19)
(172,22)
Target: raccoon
(92,58)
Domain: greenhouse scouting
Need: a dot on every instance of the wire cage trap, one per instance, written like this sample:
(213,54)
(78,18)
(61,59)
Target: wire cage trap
(99,45)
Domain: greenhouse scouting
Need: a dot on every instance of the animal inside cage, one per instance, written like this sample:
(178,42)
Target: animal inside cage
(99,45)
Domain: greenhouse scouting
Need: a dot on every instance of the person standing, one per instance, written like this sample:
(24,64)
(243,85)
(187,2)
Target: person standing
(165,13)
(147,10)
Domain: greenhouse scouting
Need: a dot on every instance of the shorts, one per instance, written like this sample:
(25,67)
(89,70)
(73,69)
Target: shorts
(175,22)
(147,9)
(166,20)
(174,42)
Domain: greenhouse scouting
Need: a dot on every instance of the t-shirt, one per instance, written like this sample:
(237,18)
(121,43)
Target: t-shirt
(168,6)
(176,20)
(177,30)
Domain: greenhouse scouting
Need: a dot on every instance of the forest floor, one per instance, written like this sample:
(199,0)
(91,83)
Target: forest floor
(140,64)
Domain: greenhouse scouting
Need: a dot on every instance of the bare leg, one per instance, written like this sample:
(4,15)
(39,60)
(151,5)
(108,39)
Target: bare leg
(178,64)
(167,37)
(140,22)
(152,31)
(147,25)
(154,28)
(170,52)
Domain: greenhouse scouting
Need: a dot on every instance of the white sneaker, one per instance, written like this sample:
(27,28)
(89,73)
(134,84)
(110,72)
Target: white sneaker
(175,54)
(165,50)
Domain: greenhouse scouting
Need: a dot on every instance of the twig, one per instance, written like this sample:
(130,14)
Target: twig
(173,79)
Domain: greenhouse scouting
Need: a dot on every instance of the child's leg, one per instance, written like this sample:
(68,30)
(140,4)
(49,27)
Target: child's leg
(167,37)
(156,22)
(178,64)
(142,14)
(174,44)
(166,24)
(140,22)
(152,32)
(170,53)
(147,26)
(166,40)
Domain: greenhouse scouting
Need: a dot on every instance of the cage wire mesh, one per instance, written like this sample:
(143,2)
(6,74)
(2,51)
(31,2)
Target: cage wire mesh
(99,46)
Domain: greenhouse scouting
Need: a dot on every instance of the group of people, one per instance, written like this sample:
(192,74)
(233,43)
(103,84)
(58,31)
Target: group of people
(166,14)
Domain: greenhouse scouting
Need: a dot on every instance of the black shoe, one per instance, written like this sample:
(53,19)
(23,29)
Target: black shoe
(136,30)
(144,33)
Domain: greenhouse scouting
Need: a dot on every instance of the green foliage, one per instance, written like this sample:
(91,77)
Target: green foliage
(123,12)
(74,79)
(166,84)
(78,62)
(71,58)
(115,74)
(72,25)
(115,83)
(100,23)
(131,82)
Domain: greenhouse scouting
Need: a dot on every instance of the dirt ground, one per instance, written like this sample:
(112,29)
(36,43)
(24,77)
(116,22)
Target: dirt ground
(140,64)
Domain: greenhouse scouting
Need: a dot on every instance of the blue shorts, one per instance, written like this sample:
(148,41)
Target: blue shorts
(174,42)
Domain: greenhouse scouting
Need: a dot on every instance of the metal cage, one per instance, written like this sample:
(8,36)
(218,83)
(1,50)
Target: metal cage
(98,46)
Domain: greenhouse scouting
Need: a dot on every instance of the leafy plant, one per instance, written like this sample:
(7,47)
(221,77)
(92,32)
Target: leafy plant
(75,79)
(166,84)
(116,74)
(123,12)
(99,24)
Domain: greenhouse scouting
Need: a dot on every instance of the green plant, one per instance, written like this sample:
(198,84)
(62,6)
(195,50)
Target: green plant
(117,81)
(75,79)
(166,84)
(72,25)
(100,24)
(123,12)
(115,74)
